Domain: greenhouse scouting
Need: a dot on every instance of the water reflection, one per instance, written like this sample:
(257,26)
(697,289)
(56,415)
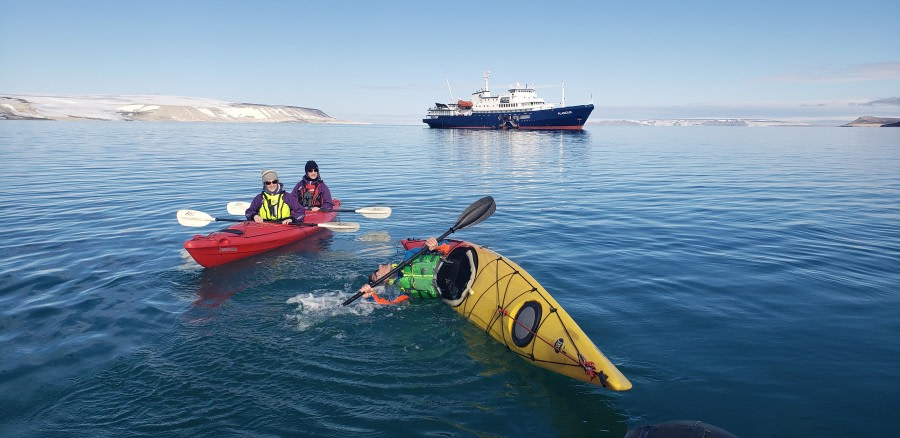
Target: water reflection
(574,408)
(518,154)
(216,285)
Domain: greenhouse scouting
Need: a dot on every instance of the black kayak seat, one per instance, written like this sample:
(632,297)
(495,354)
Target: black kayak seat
(456,274)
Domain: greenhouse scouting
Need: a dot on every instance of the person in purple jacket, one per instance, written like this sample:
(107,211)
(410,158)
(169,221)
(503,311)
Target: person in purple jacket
(312,191)
(274,204)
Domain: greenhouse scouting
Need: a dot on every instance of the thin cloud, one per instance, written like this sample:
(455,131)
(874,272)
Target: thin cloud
(855,73)
(894,101)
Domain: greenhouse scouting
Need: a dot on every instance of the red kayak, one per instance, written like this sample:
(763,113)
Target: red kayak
(245,239)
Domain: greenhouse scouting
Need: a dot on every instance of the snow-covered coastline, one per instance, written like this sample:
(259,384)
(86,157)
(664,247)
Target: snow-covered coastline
(152,108)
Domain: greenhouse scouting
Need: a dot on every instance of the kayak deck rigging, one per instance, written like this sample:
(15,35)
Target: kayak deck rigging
(498,296)
(558,346)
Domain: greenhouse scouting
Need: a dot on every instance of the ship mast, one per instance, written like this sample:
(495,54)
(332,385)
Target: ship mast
(451,91)
(487,75)
(564,93)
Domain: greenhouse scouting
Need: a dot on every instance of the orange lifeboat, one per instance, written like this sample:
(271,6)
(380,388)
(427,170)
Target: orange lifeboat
(464,103)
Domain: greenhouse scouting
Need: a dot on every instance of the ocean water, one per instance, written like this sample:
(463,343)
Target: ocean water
(744,277)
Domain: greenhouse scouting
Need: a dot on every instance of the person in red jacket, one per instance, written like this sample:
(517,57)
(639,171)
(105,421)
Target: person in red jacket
(312,191)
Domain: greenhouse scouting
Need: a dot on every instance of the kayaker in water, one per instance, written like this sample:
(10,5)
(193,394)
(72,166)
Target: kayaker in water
(419,279)
(312,191)
(273,203)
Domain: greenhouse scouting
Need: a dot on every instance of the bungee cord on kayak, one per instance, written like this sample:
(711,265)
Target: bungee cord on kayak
(499,297)
(558,346)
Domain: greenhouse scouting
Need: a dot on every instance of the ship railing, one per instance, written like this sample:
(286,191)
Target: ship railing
(441,112)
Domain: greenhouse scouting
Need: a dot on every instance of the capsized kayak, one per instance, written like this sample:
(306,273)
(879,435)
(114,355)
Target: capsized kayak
(245,239)
(499,297)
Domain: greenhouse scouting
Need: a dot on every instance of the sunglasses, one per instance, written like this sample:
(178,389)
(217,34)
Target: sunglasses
(312,170)
(271,182)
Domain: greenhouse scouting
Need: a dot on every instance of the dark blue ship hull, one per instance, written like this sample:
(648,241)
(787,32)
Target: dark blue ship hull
(570,117)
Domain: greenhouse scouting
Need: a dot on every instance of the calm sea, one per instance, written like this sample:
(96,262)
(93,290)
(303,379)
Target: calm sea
(744,277)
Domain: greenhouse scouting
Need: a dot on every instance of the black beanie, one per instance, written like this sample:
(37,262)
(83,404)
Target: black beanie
(310,165)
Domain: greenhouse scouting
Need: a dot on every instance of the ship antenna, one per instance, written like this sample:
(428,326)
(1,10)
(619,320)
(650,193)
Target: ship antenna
(451,90)
(564,93)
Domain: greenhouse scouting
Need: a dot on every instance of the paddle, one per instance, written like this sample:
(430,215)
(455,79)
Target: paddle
(194,218)
(477,212)
(238,208)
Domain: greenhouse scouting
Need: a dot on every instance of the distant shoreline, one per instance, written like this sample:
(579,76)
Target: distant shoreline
(153,108)
(162,108)
(864,121)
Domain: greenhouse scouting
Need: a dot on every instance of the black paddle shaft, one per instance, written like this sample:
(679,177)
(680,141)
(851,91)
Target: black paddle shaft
(296,224)
(477,212)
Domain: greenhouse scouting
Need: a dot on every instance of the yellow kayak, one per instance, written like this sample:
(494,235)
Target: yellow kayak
(498,296)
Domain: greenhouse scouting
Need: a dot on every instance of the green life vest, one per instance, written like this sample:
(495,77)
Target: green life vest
(418,278)
(274,208)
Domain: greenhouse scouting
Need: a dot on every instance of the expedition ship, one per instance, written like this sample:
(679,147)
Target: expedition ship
(518,109)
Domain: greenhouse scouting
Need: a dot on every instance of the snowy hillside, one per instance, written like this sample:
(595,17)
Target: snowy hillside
(153,108)
(874,122)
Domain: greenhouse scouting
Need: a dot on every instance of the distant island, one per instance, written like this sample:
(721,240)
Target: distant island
(874,122)
(697,122)
(865,121)
(152,108)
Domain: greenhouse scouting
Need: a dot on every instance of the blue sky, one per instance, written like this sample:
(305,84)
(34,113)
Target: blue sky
(387,61)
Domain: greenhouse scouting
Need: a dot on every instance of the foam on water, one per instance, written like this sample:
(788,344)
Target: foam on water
(319,306)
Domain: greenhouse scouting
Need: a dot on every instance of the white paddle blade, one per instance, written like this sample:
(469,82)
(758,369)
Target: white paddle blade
(238,208)
(341,227)
(375,212)
(194,218)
